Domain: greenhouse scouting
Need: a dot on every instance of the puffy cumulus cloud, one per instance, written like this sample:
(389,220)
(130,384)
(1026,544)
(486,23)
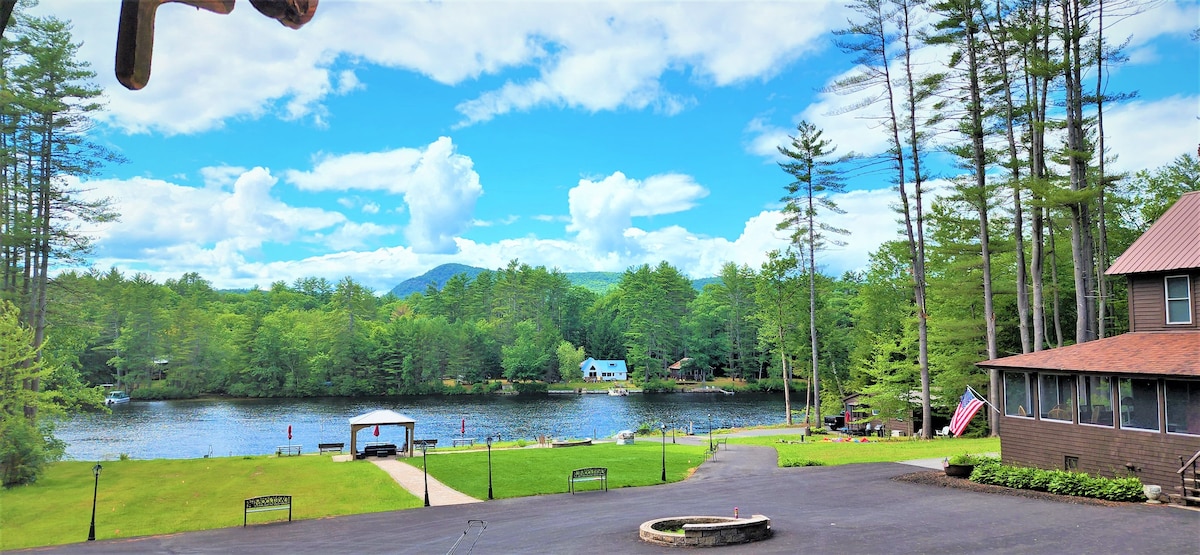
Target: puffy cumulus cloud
(764,139)
(439,186)
(1148,134)
(614,55)
(591,55)
(602,211)
(170,225)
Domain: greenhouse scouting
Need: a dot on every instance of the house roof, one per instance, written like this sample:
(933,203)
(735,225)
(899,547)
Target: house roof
(679,363)
(1171,243)
(380,417)
(1174,353)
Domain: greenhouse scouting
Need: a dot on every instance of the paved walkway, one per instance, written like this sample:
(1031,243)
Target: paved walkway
(837,509)
(413,480)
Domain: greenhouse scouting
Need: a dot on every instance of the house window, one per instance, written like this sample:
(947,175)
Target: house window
(1071,464)
(1179,300)
(1095,400)
(1016,394)
(1139,403)
(1183,406)
(1056,396)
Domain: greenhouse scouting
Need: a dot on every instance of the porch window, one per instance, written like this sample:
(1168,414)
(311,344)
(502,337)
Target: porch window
(1183,406)
(1139,403)
(1179,300)
(1056,399)
(1016,394)
(1095,400)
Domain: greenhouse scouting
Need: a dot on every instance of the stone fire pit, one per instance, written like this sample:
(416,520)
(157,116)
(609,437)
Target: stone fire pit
(705,531)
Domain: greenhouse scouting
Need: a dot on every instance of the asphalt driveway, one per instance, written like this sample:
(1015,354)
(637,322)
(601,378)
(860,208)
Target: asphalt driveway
(845,509)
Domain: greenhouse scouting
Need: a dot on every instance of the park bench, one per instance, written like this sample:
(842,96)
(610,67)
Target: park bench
(427,443)
(267,503)
(379,450)
(330,447)
(289,450)
(470,442)
(587,475)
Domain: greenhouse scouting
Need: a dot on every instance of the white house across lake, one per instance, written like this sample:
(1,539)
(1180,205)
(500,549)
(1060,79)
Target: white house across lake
(604,370)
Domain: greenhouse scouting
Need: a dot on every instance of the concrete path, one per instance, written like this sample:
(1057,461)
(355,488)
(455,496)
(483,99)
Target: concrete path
(413,480)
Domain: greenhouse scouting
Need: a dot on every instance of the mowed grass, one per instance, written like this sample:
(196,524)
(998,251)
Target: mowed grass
(814,451)
(538,471)
(138,498)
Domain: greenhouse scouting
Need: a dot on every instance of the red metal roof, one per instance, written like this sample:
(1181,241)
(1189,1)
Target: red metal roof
(1171,243)
(1175,353)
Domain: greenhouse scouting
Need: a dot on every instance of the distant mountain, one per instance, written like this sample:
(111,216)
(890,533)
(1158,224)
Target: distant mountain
(437,276)
(598,282)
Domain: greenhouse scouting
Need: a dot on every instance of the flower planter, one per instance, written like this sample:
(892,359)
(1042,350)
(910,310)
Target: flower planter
(959,470)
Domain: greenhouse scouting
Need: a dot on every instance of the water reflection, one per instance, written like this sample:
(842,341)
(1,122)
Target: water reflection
(227,427)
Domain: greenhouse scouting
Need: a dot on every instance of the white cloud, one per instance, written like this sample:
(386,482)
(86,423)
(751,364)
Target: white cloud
(209,68)
(439,186)
(601,211)
(1147,134)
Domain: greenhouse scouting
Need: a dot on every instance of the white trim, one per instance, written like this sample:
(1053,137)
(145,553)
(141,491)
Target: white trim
(1187,280)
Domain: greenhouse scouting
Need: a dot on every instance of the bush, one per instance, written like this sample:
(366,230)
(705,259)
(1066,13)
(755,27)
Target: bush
(25,450)
(1060,482)
(971,460)
(658,386)
(525,388)
(160,393)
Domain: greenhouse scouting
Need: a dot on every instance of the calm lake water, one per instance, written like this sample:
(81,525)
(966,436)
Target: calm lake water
(227,427)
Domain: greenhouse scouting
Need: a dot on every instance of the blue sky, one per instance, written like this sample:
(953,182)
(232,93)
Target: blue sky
(388,137)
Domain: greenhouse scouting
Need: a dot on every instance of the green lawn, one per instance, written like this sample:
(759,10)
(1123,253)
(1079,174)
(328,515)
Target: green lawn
(815,451)
(523,472)
(138,498)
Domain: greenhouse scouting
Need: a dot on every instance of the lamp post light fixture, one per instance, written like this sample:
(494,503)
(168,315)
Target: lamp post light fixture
(95,489)
(664,451)
(489,446)
(425,467)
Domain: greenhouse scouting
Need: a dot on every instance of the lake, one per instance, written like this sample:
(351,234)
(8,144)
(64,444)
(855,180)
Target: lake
(228,427)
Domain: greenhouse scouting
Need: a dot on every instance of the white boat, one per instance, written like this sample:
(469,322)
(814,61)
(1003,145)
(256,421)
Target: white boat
(618,391)
(116,398)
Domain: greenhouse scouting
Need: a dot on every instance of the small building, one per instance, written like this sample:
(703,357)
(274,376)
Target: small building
(604,370)
(684,369)
(1123,405)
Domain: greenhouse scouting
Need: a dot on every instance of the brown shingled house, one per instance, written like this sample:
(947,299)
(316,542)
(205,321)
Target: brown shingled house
(1123,404)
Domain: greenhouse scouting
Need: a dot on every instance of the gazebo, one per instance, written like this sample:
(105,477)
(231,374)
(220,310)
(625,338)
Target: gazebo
(382,418)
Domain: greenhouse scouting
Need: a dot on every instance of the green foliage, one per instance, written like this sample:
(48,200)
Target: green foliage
(25,450)
(531,388)
(570,360)
(658,386)
(969,459)
(1060,482)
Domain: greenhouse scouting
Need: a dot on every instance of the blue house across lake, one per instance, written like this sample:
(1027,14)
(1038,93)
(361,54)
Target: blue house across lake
(604,370)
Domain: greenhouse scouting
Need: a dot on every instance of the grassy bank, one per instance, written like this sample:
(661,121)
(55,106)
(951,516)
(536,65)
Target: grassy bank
(138,498)
(814,451)
(524,472)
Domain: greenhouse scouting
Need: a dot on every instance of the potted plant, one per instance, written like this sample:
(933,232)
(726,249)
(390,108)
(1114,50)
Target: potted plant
(961,466)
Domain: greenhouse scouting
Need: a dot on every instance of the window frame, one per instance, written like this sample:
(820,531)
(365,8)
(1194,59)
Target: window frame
(1168,299)
(1082,384)
(1126,425)
(1028,394)
(1193,386)
(1071,388)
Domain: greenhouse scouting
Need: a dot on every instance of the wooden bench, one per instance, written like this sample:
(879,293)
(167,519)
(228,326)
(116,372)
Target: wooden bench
(587,475)
(267,503)
(289,450)
(427,443)
(470,441)
(330,447)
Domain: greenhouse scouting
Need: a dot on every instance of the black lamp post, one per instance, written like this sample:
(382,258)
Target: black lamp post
(95,489)
(489,445)
(664,451)
(710,446)
(425,467)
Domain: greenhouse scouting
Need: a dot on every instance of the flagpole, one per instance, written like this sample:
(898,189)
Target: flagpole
(982,398)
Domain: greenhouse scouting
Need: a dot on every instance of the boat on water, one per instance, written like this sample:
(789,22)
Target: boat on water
(117,397)
(618,391)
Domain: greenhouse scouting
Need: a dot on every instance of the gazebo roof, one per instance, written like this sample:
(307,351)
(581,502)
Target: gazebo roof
(378,417)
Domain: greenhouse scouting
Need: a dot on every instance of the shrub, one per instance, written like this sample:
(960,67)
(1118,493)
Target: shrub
(25,450)
(800,462)
(525,388)
(1060,482)
(658,386)
(969,459)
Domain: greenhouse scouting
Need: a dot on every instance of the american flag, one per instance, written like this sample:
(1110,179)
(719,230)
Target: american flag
(967,407)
